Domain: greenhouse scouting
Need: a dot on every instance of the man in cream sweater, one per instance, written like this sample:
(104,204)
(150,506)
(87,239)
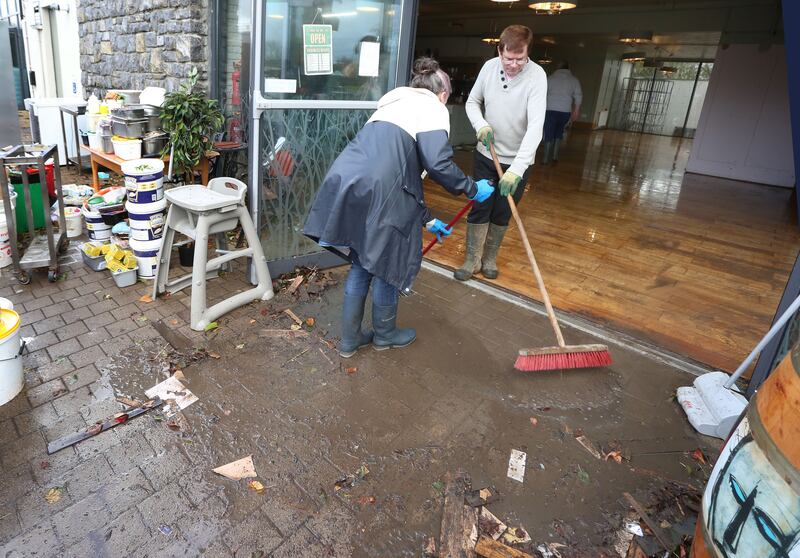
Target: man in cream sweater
(506,107)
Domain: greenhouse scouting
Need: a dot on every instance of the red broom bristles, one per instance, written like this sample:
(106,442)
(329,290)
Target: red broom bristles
(562,361)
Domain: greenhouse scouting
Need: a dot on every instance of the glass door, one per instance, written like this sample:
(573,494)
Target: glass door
(319,70)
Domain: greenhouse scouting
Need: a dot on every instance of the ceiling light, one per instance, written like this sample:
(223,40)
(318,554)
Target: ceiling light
(551,8)
(491,40)
(635,37)
(339,14)
(368,9)
(544,60)
(548,40)
(634,56)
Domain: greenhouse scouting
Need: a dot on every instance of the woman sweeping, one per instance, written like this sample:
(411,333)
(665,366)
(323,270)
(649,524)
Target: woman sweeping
(370,207)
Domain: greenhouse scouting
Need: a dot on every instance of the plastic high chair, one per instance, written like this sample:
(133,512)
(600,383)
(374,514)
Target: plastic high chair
(199,212)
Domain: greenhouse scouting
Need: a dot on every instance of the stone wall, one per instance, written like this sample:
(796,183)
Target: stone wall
(131,44)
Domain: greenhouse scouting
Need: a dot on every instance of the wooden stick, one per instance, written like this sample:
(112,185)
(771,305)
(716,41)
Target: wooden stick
(458,520)
(545,298)
(490,548)
(662,538)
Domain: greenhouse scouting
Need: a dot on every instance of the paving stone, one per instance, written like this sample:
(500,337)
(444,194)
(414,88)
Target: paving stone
(201,528)
(100,410)
(15,482)
(130,452)
(55,369)
(64,348)
(98,445)
(40,541)
(40,341)
(48,324)
(164,467)
(90,355)
(38,302)
(9,524)
(74,522)
(36,359)
(67,425)
(65,295)
(124,490)
(253,535)
(62,309)
(29,318)
(144,333)
(121,326)
(93,287)
(94,337)
(81,377)
(48,468)
(115,344)
(45,392)
(105,305)
(121,537)
(197,486)
(71,403)
(21,450)
(9,432)
(83,301)
(15,407)
(165,507)
(301,543)
(77,315)
(40,417)
(126,311)
(101,320)
(87,477)
(69,331)
(33,508)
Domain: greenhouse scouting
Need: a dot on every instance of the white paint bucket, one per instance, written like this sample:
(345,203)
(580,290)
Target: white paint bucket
(5,243)
(6,304)
(144,180)
(12,379)
(74,221)
(146,252)
(97,229)
(147,219)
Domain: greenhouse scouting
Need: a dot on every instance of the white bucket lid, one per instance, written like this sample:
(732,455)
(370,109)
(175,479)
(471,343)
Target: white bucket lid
(153,166)
(6,304)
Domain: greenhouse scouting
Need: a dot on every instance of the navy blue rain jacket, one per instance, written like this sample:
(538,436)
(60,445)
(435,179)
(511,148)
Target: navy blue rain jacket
(371,200)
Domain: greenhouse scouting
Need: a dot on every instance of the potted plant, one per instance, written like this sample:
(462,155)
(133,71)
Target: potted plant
(191,120)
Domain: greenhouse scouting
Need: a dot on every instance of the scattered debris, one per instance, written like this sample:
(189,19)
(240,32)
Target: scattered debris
(516,535)
(429,551)
(348,481)
(295,284)
(102,426)
(615,455)
(634,528)
(240,346)
(179,375)
(172,388)
(481,497)
(310,322)
(282,333)
(294,317)
(165,530)
(129,402)
(351,370)
(44,465)
(490,548)
(516,465)
(256,486)
(239,469)
(215,356)
(324,355)
(589,446)
(438,487)
(53,495)
(657,532)
(264,311)
(252,321)
(550,550)
(175,338)
(698,456)
(534,421)
(459,530)
(364,500)
(145,298)
(583,476)
(211,327)
(490,525)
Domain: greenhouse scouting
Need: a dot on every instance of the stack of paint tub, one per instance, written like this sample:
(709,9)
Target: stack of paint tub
(99,228)
(147,211)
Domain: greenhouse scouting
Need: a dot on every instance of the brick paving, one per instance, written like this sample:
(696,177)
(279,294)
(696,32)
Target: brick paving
(451,400)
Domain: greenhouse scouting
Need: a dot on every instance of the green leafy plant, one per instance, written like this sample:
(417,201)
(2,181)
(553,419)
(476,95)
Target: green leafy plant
(191,120)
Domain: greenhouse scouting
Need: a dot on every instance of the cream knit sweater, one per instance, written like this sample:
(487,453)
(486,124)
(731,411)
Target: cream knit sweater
(513,108)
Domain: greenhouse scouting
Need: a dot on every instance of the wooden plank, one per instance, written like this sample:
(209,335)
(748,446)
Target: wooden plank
(172,336)
(489,548)
(659,534)
(459,521)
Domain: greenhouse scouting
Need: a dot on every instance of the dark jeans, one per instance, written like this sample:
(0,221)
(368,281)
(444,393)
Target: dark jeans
(554,123)
(358,282)
(495,210)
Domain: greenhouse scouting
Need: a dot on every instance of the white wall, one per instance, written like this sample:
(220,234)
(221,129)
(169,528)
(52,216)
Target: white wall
(744,132)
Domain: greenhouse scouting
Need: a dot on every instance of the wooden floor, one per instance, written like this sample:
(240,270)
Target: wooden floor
(692,263)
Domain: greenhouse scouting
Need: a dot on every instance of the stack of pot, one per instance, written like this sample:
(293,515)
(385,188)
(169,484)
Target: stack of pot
(147,211)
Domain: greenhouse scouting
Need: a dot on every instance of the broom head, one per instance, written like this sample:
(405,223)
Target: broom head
(560,358)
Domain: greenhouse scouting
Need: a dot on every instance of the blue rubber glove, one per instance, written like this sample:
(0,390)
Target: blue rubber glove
(438,228)
(485,191)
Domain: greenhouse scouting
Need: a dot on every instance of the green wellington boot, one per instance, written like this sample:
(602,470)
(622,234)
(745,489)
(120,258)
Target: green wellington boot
(547,153)
(476,236)
(387,334)
(556,144)
(353,336)
(493,241)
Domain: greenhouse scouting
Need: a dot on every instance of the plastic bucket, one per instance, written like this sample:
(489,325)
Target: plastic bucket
(5,243)
(95,226)
(12,379)
(95,140)
(128,149)
(147,219)
(146,252)
(144,180)
(74,221)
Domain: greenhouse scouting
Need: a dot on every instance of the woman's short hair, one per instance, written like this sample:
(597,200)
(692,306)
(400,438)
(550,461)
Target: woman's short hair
(515,37)
(428,75)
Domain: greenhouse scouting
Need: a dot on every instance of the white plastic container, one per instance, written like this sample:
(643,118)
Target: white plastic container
(74,221)
(147,219)
(128,149)
(12,379)
(144,180)
(5,242)
(95,226)
(95,139)
(6,304)
(146,252)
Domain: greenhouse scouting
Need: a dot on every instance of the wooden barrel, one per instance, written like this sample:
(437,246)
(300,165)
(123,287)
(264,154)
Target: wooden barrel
(751,505)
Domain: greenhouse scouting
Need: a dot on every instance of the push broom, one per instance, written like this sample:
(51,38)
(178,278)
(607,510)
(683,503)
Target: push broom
(551,358)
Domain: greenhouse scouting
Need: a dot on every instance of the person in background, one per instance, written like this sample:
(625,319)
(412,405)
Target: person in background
(564,98)
(370,208)
(506,108)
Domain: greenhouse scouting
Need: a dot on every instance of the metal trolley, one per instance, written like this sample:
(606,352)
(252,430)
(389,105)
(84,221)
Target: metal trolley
(44,248)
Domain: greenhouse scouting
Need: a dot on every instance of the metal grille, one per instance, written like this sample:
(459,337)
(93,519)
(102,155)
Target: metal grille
(644,104)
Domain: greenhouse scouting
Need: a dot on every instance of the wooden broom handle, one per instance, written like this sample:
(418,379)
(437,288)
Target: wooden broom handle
(545,298)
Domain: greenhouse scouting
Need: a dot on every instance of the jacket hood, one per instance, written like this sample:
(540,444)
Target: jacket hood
(404,94)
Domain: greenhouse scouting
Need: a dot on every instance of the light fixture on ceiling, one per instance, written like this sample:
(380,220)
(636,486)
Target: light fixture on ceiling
(548,40)
(633,56)
(491,40)
(551,8)
(635,37)
(544,60)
